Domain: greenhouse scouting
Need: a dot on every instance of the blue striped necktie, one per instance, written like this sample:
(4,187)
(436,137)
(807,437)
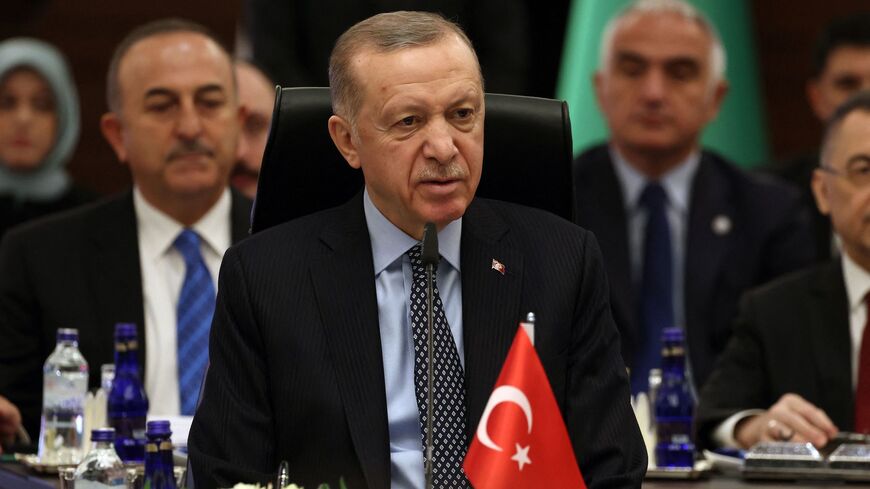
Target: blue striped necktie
(194,312)
(656,308)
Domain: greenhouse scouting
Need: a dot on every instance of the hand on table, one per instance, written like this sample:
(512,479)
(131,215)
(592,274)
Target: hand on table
(10,422)
(792,418)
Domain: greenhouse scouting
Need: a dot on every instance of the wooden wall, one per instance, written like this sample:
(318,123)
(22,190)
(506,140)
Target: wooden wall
(87,31)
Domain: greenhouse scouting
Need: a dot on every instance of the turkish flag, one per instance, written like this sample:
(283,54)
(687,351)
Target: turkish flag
(521,440)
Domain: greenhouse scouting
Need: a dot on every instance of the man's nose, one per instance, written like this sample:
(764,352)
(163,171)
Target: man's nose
(439,143)
(653,86)
(24,113)
(189,124)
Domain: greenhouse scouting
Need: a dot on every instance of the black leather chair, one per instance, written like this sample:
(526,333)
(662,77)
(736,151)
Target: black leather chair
(527,157)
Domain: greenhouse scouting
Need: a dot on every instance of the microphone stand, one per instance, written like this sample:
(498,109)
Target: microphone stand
(430,256)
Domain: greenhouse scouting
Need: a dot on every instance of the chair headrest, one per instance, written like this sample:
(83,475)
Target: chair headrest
(527,157)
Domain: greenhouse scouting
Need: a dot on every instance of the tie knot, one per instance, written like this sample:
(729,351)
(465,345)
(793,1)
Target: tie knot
(653,196)
(187,243)
(415,253)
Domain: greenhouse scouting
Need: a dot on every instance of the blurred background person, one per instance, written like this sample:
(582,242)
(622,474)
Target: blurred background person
(798,365)
(149,255)
(683,230)
(841,68)
(39,129)
(257,96)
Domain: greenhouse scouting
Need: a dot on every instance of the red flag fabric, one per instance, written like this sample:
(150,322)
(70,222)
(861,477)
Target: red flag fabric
(521,441)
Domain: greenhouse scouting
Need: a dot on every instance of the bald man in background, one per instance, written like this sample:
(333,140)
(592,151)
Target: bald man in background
(257,96)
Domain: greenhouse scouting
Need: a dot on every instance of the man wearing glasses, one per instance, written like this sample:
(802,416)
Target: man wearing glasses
(801,345)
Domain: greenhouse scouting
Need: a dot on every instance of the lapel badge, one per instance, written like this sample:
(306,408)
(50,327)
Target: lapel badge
(498,266)
(721,225)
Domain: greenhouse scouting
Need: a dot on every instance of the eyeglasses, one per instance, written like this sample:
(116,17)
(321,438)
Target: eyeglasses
(857,172)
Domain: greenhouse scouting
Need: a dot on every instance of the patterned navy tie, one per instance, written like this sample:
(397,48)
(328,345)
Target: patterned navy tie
(194,312)
(448,396)
(656,308)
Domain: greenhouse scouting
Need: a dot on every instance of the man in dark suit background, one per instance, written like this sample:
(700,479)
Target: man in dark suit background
(313,344)
(174,119)
(841,68)
(798,365)
(684,232)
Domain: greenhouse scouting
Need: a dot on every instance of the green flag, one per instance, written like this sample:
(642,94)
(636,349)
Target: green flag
(739,132)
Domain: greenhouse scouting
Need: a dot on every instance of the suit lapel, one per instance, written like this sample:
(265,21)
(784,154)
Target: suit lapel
(705,249)
(831,342)
(345,288)
(490,303)
(113,261)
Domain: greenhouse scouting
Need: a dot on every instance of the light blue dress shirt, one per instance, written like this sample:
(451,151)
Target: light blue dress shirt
(393,279)
(677,184)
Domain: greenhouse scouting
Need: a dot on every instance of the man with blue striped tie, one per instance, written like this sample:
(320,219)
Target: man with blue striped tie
(150,255)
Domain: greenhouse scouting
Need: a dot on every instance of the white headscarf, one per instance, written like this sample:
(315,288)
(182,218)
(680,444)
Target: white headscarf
(50,180)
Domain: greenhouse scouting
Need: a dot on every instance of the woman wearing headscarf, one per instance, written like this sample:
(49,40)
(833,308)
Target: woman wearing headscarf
(39,129)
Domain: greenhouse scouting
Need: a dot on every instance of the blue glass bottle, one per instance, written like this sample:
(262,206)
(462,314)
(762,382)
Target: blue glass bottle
(159,472)
(674,405)
(128,405)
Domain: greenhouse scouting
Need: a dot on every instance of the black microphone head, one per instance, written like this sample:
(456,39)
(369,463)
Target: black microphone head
(429,250)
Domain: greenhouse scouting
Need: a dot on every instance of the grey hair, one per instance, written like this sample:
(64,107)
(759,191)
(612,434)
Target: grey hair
(679,7)
(859,102)
(384,33)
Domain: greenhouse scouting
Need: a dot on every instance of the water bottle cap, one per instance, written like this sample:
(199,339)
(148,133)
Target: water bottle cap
(158,428)
(672,335)
(103,434)
(67,334)
(125,330)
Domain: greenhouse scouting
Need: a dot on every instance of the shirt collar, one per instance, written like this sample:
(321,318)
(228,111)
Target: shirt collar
(857,281)
(677,183)
(157,231)
(390,242)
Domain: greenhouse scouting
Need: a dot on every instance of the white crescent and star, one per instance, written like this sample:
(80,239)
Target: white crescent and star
(506,393)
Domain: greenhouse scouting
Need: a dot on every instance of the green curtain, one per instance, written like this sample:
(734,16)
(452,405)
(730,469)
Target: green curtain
(739,132)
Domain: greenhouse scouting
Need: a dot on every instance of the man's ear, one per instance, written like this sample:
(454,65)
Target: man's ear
(113,130)
(814,97)
(820,192)
(720,90)
(342,136)
(242,145)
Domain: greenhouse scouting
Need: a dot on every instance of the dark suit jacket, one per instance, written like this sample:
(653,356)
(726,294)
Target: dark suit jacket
(792,335)
(296,366)
(79,269)
(769,236)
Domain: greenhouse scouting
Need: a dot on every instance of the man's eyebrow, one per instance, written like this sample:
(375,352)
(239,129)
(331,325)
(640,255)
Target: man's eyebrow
(210,88)
(629,56)
(159,92)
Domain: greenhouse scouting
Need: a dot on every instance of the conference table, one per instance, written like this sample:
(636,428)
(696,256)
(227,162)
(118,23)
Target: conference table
(15,476)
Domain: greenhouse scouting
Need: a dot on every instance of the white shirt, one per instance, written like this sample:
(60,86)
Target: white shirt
(162,269)
(857,286)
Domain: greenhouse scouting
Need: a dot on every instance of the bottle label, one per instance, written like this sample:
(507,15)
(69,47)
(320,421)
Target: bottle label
(151,447)
(85,484)
(166,445)
(123,346)
(673,350)
(64,390)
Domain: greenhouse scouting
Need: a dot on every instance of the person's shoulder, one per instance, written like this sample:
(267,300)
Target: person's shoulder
(758,192)
(592,160)
(785,288)
(300,233)
(528,224)
(61,227)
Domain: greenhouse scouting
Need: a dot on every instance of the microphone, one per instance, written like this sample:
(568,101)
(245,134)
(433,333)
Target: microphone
(429,256)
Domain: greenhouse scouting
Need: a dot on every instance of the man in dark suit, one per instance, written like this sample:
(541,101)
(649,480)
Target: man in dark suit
(841,68)
(174,120)
(798,365)
(684,232)
(315,332)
